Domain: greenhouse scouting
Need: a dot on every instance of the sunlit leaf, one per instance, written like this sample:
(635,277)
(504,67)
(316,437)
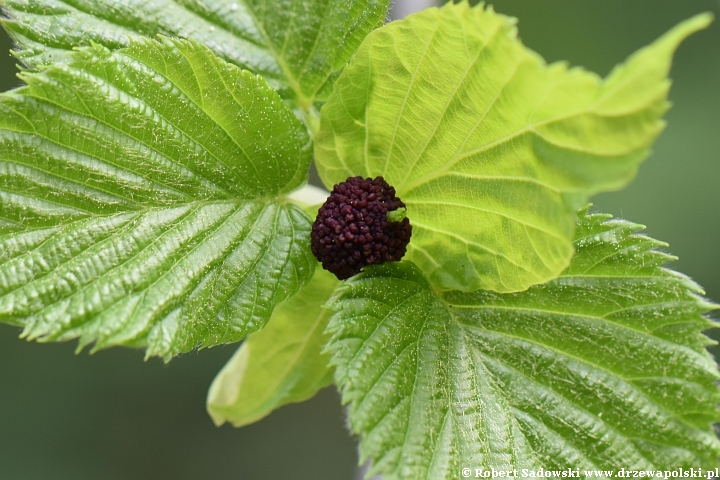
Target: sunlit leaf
(603,368)
(491,149)
(141,200)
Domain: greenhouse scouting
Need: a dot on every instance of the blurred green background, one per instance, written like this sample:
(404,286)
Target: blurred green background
(113,416)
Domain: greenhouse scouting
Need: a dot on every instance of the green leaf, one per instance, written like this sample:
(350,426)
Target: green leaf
(491,149)
(295,44)
(141,202)
(280,364)
(604,367)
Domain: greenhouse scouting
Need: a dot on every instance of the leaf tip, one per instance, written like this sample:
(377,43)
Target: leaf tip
(676,35)
(697,22)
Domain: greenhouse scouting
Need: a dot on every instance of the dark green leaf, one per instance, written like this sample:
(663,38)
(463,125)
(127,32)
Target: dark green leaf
(140,195)
(295,44)
(604,367)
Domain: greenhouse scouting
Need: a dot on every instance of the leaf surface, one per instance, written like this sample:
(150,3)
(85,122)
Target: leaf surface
(296,45)
(140,196)
(602,368)
(280,364)
(491,149)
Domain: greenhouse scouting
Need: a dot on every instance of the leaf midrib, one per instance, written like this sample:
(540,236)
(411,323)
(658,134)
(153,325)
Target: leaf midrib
(208,112)
(451,97)
(559,395)
(531,127)
(305,103)
(470,242)
(97,247)
(62,229)
(194,207)
(131,28)
(413,78)
(508,216)
(133,138)
(629,380)
(211,267)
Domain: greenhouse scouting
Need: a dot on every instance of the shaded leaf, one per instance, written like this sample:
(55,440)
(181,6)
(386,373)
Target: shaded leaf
(602,368)
(491,149)
(280,364)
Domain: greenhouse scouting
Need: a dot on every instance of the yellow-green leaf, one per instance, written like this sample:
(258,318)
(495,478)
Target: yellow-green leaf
(281,364)
(491,149)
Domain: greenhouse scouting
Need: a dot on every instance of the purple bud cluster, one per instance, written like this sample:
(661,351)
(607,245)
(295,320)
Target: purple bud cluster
(352,229)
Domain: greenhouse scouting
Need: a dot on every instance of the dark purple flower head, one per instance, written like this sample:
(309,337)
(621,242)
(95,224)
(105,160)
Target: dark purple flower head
(352,228)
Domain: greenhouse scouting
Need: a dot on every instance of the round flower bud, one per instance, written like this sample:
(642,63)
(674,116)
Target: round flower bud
(361,223)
